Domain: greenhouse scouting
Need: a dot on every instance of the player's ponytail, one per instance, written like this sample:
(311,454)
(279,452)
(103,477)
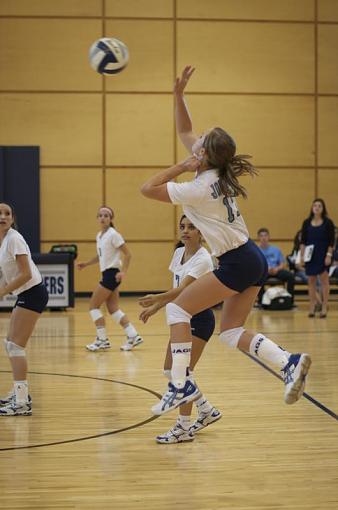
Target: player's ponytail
(221,149)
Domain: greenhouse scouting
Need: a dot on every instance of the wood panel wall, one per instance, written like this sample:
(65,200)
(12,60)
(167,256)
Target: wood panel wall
(266,71)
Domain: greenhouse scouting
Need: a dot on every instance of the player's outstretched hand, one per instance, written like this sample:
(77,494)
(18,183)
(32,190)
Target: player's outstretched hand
(181,83)
(148,312)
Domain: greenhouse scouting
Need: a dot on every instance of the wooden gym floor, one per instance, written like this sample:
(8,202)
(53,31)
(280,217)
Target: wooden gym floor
(90,442)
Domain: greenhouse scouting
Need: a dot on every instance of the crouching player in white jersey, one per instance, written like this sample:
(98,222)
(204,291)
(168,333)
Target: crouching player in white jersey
(21,277)
(110,246)
(210,204)
(190,261)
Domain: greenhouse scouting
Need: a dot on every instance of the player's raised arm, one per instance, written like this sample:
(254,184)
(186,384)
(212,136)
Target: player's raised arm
(183,119)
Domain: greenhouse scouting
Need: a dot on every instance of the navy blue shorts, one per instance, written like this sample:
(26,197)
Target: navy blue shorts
(203,324)
(242,267)
(35,298)
(108,278)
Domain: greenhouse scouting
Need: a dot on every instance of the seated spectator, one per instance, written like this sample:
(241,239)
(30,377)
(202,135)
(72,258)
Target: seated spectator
(276,262)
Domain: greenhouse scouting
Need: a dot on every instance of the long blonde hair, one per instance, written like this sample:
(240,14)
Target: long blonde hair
(221,154)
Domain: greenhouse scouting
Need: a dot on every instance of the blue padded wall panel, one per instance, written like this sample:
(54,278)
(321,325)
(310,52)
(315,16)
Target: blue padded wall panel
(20,187)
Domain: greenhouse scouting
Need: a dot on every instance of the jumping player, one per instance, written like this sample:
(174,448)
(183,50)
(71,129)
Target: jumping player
(110,246)
(209,201)
(190,261)
(21,277)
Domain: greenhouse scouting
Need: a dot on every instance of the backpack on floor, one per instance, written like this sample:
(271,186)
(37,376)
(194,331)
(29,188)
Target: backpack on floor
(277,298)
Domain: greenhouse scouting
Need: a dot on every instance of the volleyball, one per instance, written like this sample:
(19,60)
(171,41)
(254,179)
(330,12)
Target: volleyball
(108,55)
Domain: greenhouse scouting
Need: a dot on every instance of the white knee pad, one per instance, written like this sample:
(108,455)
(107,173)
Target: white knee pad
(231,336)
(117,316)
(176,314)
(95,314)
(14,350)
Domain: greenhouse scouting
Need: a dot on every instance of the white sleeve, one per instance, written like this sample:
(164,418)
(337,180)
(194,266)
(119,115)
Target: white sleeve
(117,240)
(189,193)
(172,263)
(201,267)
(17,246)
(178,253)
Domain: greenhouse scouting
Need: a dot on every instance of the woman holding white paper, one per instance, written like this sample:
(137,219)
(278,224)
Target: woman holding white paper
(317,244)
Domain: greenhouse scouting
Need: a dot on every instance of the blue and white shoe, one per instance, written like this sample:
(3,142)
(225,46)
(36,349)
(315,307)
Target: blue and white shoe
(98,345)
(205,419)
(176,435)
(131,343)
(16,409)
(174,397)
(294,375)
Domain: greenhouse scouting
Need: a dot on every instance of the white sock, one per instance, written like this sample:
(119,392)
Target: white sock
(181,360)
(264,348)
(203,406)
(184,421)
(21,391)
(130,331)
(190,376)
(101,333)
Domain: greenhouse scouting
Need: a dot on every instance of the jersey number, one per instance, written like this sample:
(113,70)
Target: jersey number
(231,215)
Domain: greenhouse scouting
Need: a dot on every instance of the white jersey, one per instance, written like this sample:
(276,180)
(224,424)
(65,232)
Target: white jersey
(217,217)
(198,265)
(108,244)
(12,245)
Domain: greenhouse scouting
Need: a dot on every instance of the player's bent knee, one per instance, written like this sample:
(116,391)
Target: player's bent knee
(95,314)
(231,336)
(117,316)
(14,350)
(176,314)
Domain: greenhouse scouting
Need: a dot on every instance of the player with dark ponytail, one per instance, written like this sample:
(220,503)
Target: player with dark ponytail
(190,261)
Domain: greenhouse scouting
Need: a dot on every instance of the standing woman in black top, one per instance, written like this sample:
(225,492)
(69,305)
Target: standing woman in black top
(318,231)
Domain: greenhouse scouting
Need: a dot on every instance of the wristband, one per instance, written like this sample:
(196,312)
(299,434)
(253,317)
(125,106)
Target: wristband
(329,254)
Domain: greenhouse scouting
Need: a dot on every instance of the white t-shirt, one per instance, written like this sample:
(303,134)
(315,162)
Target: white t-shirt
(198,265)
(108,245)
(14,244)
(216,216)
